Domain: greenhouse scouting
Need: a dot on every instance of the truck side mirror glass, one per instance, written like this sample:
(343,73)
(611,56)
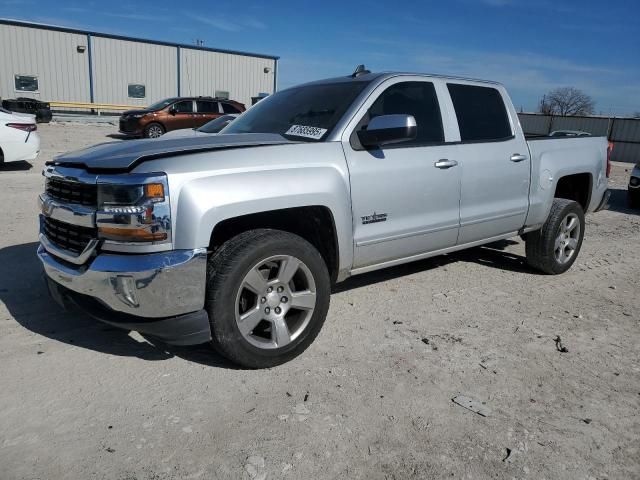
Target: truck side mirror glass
(388,129)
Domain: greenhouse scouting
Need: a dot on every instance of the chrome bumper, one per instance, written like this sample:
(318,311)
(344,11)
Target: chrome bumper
(157,285)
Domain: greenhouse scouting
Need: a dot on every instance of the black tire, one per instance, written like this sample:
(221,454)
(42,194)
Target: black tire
(153,127)
(633,199)
(540,245)
(226,270)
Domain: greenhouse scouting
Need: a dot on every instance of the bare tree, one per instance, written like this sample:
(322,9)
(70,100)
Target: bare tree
(567,101)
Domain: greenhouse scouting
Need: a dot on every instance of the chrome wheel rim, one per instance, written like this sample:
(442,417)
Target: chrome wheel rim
(566,242)
(275,301)
(155,131)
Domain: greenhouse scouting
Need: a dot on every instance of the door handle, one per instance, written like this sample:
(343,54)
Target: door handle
(444,163)
(516,157)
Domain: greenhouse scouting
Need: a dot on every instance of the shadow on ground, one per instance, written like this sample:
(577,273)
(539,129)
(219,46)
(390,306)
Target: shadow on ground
(619,202)
(19,166)
(491,255)
(23,291)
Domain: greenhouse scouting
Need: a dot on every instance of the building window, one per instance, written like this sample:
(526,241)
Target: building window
(136,90)
(26,83)
(222,94)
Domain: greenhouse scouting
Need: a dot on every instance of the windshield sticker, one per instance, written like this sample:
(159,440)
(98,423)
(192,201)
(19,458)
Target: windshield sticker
(308,132)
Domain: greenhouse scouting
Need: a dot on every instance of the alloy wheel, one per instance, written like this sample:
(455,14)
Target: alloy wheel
(568,237)
(275,302)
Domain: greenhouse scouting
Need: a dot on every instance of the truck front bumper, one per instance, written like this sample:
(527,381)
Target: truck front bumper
(159,294)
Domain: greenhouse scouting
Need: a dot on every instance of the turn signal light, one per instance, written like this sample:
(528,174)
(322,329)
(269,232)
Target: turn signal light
(131,234)
(154,191)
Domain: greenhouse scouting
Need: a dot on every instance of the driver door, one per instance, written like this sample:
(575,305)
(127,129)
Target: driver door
(182,116)
(405,201)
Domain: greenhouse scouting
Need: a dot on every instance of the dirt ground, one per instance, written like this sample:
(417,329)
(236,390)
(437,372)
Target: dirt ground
(370,399)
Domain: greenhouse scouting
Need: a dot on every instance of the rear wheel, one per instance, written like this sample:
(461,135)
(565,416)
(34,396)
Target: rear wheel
(153,130)
(555,247)
(267,297)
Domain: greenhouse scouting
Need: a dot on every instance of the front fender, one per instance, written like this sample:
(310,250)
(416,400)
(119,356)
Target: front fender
(201,200)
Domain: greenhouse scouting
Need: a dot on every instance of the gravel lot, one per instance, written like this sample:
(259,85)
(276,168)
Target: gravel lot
(371,398)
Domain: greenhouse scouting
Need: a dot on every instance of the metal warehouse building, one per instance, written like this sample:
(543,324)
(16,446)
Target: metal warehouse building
(58,64)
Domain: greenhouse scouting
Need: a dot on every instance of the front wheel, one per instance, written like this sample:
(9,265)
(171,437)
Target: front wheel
(267,297)
(555,247)
(153,130)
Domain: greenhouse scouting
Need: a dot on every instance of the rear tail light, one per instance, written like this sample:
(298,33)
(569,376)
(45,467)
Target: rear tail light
(27,127)
(609,150)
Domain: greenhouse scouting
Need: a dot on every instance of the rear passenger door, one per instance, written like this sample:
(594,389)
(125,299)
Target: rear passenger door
(494,160)
(207,110)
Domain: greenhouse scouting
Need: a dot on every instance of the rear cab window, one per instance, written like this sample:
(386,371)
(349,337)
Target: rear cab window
(481,113)
(228,108)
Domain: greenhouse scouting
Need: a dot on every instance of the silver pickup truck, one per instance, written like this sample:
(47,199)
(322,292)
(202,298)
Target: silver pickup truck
(236,239)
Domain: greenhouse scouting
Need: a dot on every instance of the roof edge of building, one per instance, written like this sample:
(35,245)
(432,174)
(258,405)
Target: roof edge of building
(44,26)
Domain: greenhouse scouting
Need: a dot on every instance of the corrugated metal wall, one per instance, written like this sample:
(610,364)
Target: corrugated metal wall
(52,55)
(62,71)
(117,63)
(203,73)
(623,132)
(595,126)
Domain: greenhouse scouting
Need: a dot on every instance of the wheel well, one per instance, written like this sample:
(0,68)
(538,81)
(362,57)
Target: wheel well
(314,223)
(156,122)
(575,187)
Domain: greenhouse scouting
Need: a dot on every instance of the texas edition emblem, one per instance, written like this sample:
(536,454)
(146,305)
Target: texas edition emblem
(374,218)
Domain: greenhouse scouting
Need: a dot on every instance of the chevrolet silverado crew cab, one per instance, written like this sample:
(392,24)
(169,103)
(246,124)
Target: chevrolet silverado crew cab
(237,238)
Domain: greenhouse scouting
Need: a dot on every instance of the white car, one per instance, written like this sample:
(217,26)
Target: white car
(18,137)
(569,133)
(214,126)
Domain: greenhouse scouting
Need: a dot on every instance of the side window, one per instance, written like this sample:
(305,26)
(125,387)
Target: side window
(412,98)
(135,90)
(207,107)
(481,113)
(186,106)
(26,83)
(228,108)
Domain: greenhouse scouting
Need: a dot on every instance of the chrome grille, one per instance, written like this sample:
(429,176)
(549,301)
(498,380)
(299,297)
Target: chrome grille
(72,192)
(68,237)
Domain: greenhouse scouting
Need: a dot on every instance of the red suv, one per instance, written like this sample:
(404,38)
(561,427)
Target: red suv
(174,114)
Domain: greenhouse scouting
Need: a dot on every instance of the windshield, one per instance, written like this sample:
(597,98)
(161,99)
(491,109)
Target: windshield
(307,113)
(161,104)
(214,126)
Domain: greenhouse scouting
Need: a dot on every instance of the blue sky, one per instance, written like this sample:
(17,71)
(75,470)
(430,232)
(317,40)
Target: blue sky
(531,46)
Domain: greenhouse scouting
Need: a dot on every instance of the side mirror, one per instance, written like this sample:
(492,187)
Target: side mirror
(173,110)
(388,129)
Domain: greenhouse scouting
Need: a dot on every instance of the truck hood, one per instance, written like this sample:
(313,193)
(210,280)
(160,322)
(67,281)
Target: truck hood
(125,155)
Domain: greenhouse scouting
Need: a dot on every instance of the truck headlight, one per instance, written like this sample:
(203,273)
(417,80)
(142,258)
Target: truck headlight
(134,209)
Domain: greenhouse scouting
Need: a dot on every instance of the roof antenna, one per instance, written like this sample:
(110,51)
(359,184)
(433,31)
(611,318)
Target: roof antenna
(360,70)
